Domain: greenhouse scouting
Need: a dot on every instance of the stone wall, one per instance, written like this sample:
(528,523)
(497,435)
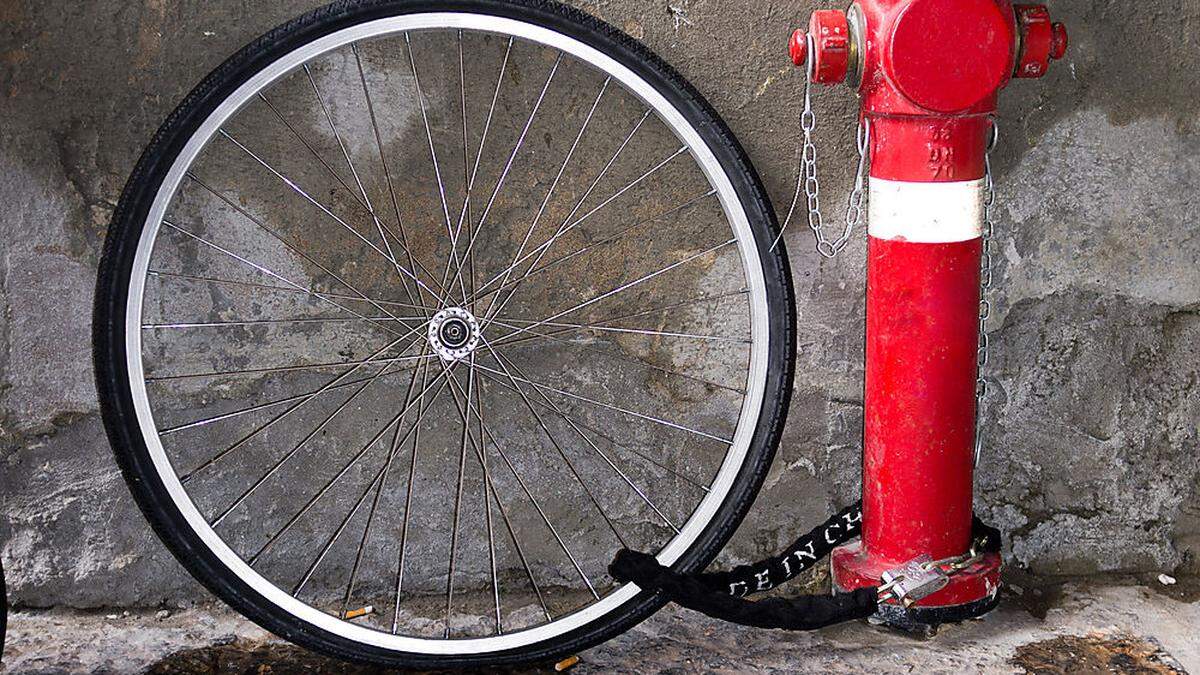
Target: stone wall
(1091,463)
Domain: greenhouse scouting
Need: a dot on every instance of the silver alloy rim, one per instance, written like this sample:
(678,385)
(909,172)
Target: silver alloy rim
(700,152)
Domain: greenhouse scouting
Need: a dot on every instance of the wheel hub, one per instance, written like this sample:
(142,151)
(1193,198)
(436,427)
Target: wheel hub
(454,333)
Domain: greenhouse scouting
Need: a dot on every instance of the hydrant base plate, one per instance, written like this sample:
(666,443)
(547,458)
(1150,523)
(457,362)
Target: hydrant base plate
(968,595)
(921,620)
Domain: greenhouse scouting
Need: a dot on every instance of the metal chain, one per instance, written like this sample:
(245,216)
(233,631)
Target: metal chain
(985,285)
(931,576)
(808,182)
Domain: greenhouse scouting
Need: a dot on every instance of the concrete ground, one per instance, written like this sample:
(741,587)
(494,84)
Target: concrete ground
(1136,628)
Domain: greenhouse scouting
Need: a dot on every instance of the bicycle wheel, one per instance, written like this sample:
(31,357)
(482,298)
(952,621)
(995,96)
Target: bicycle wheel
(414,312)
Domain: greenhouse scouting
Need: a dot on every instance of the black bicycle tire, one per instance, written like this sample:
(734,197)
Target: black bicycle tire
(129,219)
(3,610)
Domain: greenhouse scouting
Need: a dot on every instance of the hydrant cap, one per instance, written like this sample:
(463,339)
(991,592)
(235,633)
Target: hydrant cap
(1058,44)
(830,53)
(968,61)
(798,47)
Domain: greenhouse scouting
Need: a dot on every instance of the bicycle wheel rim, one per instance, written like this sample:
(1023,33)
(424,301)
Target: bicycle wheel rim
(700,151)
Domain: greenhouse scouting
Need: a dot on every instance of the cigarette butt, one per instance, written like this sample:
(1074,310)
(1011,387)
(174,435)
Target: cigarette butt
(566,664)
(356,613)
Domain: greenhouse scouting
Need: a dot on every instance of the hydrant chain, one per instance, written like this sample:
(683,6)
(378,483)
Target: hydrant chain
(985,286)
(807,180)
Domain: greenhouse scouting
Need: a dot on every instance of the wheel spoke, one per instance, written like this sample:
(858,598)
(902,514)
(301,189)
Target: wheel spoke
(282,289)
(345,186)
(562,453)
(575,327)
(412,477)
(309,146)
(715,297)
(377,483)
(489,487)
(391,186)
(487,126)
(554,185)
(396,443)
(532,500)
(569,225)
(553,337)
(575,422)
(346,469)
(512,535)
(487,504)
(465,216)
(263,406)
(503,361)
(265,270)
(286,243)
(358,181)
(362,190)
(337,533)
(512,158)
(295,450)
(610,406)
(624,287)
(437,171)
(578,205)
(458,496)
(324,209)
(369,320)
(283,415)
(288,369)
(585,249)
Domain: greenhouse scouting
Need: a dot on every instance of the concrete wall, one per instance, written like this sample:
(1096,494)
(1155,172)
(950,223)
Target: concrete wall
(1091,463)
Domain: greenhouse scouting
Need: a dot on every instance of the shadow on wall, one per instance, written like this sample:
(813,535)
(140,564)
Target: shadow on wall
(1133,61)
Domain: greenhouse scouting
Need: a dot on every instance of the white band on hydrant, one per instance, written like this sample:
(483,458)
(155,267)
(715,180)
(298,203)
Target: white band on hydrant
(926,213)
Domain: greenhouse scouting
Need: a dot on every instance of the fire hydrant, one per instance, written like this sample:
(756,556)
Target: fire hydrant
(928,73)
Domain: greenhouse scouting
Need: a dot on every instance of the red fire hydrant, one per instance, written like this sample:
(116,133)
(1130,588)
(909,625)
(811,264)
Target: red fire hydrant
(928,73)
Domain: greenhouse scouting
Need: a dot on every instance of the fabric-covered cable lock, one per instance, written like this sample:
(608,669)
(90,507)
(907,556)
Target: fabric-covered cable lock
(721,595)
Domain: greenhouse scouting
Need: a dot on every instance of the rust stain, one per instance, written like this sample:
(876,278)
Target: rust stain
(1095,653)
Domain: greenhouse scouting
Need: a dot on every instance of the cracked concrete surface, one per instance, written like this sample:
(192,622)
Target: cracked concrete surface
(1156,628)
(1094,427)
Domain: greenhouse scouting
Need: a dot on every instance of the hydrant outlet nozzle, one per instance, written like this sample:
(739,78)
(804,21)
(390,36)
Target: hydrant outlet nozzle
(798,47)
(826,47)
(1042,41)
